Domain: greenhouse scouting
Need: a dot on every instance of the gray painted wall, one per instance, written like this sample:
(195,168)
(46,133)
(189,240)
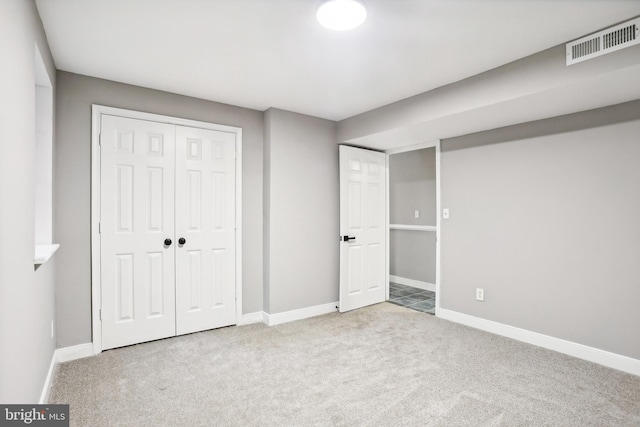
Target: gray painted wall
(266,212)
(412,255)
(302,213)
(535,87)
(544,217)
(412,186)
(75,95)
(26,296)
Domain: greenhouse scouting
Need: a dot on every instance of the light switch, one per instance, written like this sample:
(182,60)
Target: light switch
(417,214)
(445,213)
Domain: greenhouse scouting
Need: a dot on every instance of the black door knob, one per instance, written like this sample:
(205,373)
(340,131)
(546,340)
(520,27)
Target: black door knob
(167,242)
(182,240)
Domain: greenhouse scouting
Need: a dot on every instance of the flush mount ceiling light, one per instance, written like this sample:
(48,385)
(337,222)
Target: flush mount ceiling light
(341,15)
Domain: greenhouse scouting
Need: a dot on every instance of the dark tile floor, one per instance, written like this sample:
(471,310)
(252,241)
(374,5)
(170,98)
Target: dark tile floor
(413,298)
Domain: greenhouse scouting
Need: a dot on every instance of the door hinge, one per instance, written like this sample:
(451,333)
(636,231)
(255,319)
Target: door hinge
(100,139)
(99,227)
(100,313)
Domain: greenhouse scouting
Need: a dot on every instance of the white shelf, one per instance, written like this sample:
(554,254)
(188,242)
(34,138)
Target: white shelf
(44,252)
(412,227)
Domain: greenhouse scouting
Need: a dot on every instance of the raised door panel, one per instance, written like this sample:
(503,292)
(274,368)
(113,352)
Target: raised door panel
(205,218)
(136,215)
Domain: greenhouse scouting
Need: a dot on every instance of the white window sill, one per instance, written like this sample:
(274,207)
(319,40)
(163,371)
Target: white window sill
(44,252)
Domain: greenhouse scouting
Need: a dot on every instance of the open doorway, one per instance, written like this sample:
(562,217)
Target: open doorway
(413,228)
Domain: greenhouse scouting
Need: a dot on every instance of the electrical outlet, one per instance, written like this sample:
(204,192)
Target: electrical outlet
(479,294)
(445,213)
(417,214)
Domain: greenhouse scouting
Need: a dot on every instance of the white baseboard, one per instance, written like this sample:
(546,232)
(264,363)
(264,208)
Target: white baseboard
(591,354)
(63,355)
(250,318)
(46,388)
(303,313)
(79,351)
(413,283)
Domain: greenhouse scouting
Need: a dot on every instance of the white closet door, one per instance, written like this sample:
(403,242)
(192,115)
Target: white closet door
(362,227)
(137,267)
(205,219)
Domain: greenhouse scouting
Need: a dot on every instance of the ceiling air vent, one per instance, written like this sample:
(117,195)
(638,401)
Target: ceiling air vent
(603,42)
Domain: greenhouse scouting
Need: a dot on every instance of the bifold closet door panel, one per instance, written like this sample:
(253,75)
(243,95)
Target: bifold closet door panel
(136,217)
(205,219)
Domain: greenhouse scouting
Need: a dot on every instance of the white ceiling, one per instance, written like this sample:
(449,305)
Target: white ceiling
(272,53)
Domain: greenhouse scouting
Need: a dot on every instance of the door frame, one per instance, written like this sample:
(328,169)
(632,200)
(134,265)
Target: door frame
(96,114)
(436,144)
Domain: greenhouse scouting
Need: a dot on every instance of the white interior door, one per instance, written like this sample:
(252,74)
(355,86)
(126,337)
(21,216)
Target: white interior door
(205,219)
(137,267)
(362,227)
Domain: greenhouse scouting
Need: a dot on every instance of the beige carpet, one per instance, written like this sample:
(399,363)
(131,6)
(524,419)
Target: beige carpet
(380,366)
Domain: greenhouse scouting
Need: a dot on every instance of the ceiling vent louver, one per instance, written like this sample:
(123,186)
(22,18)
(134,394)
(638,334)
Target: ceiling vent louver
(603,42)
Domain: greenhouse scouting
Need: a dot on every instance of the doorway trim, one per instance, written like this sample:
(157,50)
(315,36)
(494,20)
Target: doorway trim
(96,113)
(429,144)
